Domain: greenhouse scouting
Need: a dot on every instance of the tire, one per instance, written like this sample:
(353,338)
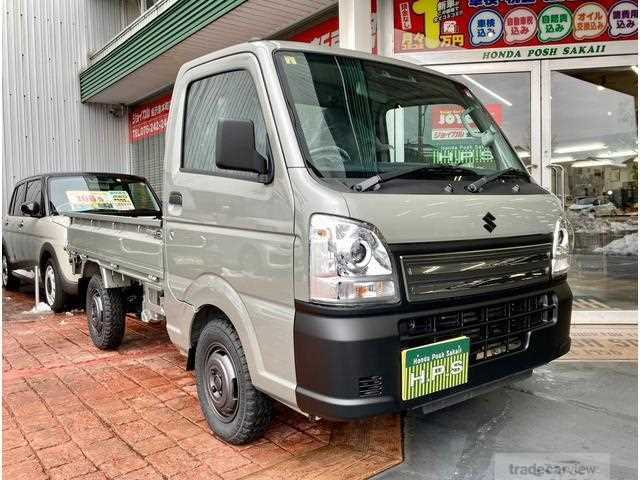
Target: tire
(105,314)
(52,283)
(222,375)
(9,282)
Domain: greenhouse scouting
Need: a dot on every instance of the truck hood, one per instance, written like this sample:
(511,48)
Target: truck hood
(433,218)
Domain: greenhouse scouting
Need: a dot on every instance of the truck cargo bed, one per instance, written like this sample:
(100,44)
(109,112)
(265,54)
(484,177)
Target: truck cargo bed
(129,245)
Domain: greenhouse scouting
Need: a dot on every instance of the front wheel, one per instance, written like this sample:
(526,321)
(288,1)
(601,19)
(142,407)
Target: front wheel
(53,291)
(105,314)
(234,409)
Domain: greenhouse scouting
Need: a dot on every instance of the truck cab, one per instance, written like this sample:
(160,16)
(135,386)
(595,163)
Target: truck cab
(324,245)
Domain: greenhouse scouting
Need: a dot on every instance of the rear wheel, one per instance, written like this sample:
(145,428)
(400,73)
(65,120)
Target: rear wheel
(105,314)
(9,282)
(53,291)
(234,409)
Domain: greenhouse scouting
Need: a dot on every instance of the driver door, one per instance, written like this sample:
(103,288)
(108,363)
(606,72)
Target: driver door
(13,223)
(27,240)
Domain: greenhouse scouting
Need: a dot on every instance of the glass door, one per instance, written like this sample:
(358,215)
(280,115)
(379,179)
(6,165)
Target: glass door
(590,158)
(511,93)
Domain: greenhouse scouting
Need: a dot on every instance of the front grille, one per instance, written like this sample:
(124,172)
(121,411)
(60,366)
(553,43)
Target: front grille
(462,273)
(494,330)
(370,386)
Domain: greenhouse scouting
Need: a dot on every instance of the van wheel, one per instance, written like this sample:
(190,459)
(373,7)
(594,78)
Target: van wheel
(9,282)
(53,291)
(105,314)
(234,409)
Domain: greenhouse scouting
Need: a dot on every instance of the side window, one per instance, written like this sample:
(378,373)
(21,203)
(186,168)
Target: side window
(229,96)
(34,193)
(18,200)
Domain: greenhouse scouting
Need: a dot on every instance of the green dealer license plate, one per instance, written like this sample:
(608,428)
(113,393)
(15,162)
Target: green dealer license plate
(431,368)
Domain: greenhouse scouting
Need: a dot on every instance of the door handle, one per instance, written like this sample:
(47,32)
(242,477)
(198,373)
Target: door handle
(175,198)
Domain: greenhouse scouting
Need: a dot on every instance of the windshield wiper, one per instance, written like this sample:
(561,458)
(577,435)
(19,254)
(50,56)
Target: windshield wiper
(376,180)
(478,184)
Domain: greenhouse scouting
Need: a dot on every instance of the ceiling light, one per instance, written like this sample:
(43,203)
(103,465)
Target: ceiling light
(618,153)
(585,147)
(597,163)
(490,92)
(524,154)
(561,159)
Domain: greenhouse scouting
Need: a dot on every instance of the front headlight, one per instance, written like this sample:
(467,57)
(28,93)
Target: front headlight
(562,247)
(349,263)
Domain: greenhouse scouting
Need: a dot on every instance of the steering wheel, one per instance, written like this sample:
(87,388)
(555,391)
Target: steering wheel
(329,158)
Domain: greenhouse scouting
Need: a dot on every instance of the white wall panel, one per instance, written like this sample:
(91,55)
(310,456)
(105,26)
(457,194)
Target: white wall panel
(46,128)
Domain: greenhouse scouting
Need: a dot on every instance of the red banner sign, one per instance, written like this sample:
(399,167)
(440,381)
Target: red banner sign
(431,25)
(149,119)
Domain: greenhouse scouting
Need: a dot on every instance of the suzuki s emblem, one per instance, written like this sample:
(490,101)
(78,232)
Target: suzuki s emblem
(489,222)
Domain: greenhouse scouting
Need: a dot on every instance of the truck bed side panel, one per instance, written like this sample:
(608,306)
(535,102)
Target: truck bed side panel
(124,244)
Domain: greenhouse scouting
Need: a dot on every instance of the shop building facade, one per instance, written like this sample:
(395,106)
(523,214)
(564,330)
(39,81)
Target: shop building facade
(560,77)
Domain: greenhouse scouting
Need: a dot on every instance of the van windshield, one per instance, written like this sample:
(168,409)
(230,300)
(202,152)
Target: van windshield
(357,118)
(111,194)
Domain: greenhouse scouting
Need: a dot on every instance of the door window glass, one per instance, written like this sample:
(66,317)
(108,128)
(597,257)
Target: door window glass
(594,162)
(34,192)
(18,199)
(226,96)
(507,96)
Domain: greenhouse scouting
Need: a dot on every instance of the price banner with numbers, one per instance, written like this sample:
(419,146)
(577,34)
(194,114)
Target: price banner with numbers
(578,28)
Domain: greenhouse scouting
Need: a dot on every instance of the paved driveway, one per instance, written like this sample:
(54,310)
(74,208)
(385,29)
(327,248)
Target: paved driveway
(73,411)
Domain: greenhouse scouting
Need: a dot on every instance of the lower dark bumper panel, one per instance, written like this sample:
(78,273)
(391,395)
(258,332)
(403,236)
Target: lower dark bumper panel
(337,353)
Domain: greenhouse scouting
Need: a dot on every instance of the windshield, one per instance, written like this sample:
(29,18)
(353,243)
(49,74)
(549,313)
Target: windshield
(111,194)
(359,118)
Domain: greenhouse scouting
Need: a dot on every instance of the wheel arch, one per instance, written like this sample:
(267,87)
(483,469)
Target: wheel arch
(201,318)
(46,252)
(89,269)
(212,294)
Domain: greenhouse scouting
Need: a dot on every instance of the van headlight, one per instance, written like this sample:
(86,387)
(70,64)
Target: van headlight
(562,247)
(349,263)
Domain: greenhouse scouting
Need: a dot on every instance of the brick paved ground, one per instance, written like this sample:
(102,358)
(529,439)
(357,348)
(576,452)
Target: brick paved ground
(73,411)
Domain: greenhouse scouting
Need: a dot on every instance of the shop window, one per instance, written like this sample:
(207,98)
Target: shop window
(595,172)
(435,134)
(507,97)
(229,96)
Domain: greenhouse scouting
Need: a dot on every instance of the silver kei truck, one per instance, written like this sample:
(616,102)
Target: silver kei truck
(325,243)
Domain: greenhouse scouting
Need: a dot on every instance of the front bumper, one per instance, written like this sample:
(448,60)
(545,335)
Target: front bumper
(336,349)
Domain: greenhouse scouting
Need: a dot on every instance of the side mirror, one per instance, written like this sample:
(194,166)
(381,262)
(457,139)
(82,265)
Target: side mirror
(236,147)
(31,209)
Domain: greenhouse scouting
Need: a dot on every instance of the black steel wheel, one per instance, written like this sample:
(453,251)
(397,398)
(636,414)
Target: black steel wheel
(221,383)
(105,314)
(234,409)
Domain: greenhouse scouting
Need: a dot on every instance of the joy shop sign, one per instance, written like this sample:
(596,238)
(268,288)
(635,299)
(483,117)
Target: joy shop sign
(514,28)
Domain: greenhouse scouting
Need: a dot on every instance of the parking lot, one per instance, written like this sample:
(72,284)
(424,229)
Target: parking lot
(72,411)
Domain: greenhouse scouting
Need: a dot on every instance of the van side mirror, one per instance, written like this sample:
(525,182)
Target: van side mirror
(236,147)
(30,209)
